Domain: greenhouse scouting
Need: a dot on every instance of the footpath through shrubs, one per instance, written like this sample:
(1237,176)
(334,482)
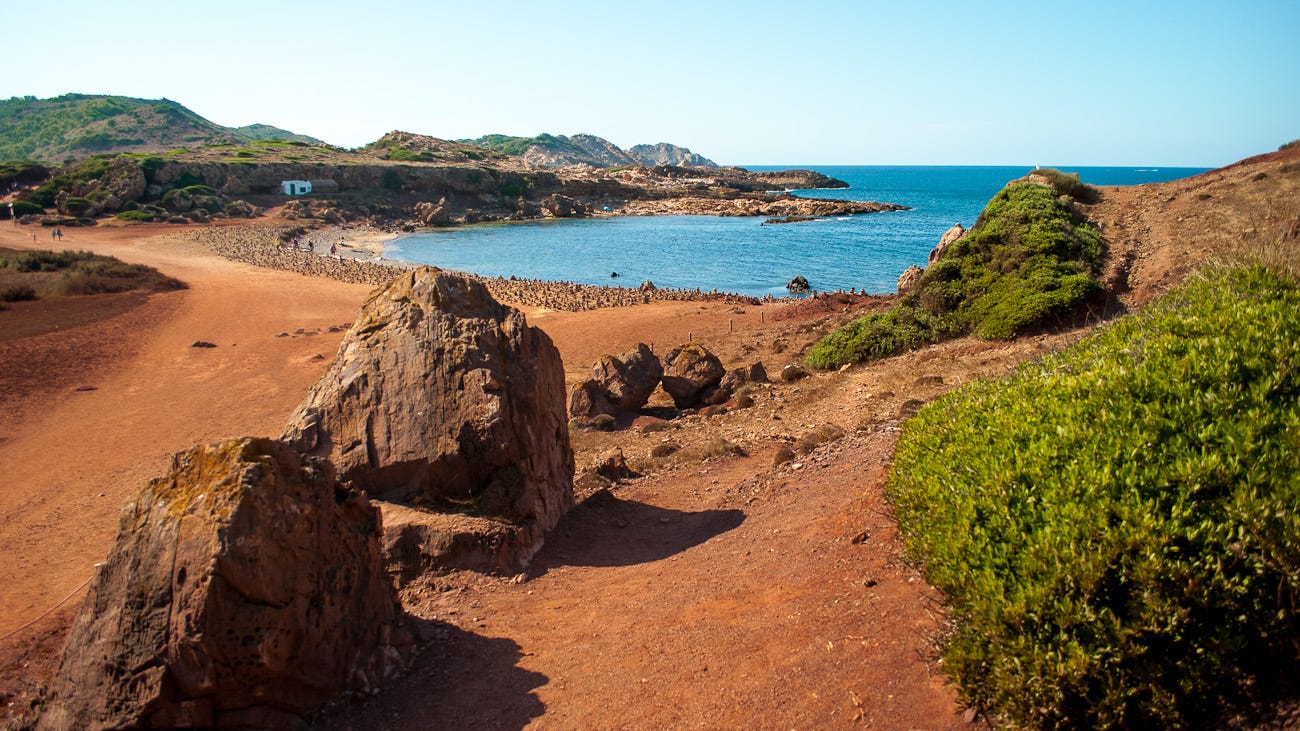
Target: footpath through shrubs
(1115,528)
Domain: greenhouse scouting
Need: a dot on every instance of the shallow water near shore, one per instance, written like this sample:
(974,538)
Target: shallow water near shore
(741,255)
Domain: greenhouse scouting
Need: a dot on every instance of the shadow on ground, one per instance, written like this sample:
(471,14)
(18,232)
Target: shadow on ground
(460,680)
(607,531)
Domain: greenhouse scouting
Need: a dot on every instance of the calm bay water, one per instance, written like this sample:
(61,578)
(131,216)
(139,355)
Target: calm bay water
(738,254)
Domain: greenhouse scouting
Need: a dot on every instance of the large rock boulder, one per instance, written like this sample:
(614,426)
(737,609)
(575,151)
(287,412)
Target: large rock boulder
(690,370)
(589,399)
(245,588)
(949,237)
(908,280)
(433,214)
(629,379)
(443,397)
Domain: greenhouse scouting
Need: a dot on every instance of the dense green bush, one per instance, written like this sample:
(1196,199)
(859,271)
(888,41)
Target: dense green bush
(1115,528)
(25,208)
(139,216)
(77,206)
(1068,184)
(17,293)
(1027,260)
(23,172)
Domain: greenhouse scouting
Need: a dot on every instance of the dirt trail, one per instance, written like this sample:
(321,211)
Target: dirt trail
(717,592)
(75,455)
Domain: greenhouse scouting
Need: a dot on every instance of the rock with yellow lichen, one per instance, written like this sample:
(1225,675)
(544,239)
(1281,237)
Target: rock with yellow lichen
(245,588)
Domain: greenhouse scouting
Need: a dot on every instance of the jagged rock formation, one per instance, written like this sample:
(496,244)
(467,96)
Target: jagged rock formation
(910,277)
(244,589)
(442,398)
(949,237)
(557,151)
(691,372)
(666,154)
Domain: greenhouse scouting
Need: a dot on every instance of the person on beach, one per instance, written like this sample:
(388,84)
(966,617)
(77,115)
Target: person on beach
(334,249)
(59,231)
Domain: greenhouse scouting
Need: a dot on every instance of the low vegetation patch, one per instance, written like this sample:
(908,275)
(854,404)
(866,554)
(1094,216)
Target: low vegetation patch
(1029,259)
(50,273)
(1114,527)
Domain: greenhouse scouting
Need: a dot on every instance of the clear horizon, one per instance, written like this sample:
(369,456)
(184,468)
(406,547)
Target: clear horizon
(1107,84)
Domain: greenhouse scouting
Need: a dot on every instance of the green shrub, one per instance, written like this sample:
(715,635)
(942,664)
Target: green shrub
(1114,529)
(17,293)
(77,206)
(1027,261)
(1068,184)
(137,215)
(25,208)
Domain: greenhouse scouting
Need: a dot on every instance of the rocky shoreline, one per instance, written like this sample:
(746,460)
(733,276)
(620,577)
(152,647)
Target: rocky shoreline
(262,245)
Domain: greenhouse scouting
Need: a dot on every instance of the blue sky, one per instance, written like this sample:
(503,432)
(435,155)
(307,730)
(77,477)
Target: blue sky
(963,83)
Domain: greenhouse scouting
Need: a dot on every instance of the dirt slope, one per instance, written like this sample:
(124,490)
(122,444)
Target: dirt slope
(717,591)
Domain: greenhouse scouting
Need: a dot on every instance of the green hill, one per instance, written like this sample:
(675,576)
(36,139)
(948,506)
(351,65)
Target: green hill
(75,126)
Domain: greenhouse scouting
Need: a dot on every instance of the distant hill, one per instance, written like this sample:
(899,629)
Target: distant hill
(75,126)
(553,151)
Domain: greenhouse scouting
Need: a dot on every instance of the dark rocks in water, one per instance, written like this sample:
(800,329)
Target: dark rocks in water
(612,275)
(799,285)
(790,219)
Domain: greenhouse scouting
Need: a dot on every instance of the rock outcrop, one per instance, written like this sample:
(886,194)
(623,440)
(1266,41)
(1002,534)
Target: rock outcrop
(442,398)
(630,378)
(245,588)
(690,373)
(910,277)
(949,237)
(589,399)
(799,285)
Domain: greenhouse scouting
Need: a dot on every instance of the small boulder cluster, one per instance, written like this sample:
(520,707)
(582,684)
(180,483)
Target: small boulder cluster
(689,373)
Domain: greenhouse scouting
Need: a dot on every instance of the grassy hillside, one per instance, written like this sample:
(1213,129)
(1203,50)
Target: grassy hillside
(1113,528)
(75,126)
(1029,258)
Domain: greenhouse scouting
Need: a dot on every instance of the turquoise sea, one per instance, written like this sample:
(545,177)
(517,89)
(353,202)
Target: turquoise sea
(740,255)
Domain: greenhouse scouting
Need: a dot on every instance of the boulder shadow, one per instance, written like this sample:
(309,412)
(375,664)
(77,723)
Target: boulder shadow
(459,680)
(607,531)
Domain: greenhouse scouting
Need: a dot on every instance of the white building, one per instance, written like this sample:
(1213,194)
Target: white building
(295,187)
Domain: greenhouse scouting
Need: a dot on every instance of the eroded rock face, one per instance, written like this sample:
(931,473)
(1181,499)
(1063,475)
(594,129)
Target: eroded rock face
(908,280)
(630,378)
(245,588)
(443,397)
(948,238)
(589,399)
(690,370)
